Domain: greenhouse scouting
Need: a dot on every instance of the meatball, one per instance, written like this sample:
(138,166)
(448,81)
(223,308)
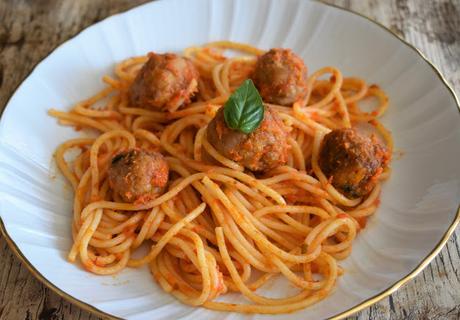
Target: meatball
(280,76)
(352,161)
(137,175)
(166,81)
(263,149)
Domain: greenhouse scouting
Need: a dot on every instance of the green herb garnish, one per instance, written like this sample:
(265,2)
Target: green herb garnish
(244,110)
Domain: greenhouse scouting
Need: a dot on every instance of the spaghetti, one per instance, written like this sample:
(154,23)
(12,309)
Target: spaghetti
(218,228)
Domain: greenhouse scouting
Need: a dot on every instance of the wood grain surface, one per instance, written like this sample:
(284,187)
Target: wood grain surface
(30,29)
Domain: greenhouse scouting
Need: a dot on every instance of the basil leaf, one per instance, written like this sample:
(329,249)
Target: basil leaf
(244,110)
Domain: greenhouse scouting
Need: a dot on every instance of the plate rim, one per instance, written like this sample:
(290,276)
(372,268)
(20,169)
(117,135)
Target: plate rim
(342,315)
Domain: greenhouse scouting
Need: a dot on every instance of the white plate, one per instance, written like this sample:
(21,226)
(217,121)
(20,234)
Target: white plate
(419,203)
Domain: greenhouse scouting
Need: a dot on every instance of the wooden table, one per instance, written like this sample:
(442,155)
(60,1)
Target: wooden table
(29,30)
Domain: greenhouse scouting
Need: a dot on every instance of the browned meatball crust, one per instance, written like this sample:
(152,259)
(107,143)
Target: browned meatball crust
(263,149)
(280,76)
(352,161)
(137,175)
(166,81)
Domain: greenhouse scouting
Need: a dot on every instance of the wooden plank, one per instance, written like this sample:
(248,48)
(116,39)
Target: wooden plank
(29,30)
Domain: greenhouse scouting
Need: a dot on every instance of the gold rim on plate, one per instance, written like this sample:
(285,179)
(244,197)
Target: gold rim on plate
(365,304)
